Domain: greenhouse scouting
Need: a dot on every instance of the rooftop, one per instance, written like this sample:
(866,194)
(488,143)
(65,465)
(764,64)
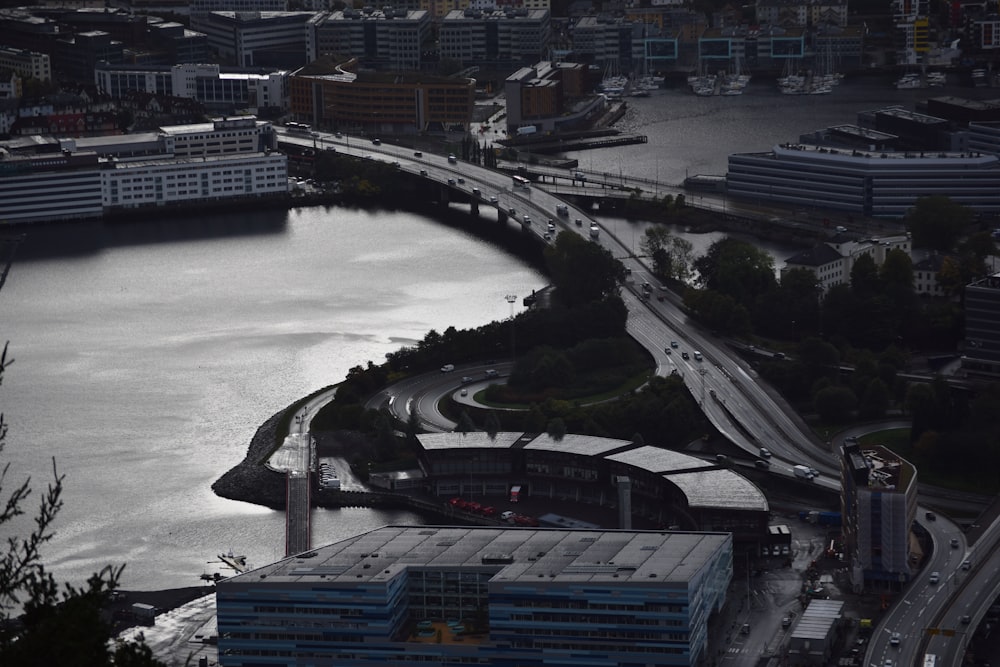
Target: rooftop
(513,554)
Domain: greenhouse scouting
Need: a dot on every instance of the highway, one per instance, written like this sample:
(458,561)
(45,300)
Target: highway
(728,390)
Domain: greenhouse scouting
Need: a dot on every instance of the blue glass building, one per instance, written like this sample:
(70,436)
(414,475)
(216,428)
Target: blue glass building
(446,596)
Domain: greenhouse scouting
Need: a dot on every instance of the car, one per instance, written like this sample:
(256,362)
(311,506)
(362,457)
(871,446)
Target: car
(765,452)
(447,368)
(547,236)
(579,222)
(966,564)
(814,472)
(894,639)
(761,463)
(423,172)
(511,211)
(935,577)
(954,543)
(507,516)
(765,551)
(965,619)
(417,154)
(930,516)
(684,355)
(376,142)
(888,662)
(666,350)
(779,355)
(786,621)
(464,392)
(461,181)
(697,355)
(493,199)
(466,379)
(492,373)
(673,344)
(841,228)
(488,511)
(452,159)
(527,220)
(786,550)
(451,181)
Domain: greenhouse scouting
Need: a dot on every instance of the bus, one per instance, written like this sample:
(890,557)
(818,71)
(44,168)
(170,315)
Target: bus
(521,182)
(298,128)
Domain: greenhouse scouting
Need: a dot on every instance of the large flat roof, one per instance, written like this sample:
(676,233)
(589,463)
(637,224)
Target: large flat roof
(512,554)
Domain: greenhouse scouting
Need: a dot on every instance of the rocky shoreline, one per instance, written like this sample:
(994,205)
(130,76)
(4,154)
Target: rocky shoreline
(250,480)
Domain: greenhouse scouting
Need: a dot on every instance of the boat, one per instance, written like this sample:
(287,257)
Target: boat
(908,82)
(236,563)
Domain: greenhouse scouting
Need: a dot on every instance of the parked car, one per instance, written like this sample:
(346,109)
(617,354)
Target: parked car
(488,511)
(507,516)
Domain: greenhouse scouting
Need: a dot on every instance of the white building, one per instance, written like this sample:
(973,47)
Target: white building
(208,83)
(26,63)
(227,159)
(389,38)
(501,37)
(832,262)
(801,13)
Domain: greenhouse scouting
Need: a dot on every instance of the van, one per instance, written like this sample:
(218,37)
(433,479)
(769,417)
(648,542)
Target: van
(697,355)
(447,368)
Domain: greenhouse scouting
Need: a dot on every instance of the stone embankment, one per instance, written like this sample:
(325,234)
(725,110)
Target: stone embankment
(250,480)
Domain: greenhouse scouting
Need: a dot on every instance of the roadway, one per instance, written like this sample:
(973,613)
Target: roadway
(740,407)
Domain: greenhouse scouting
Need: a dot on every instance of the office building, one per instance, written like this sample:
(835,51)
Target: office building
(337,96)
(981,353)
(668,488)
(257,39)
(452,596)
(551,97)
(871,183)
(28,64)
(219,90)
(61,179)
(383,39)
(878,506)
(497,38)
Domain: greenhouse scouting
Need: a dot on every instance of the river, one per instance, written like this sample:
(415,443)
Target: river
(146,354)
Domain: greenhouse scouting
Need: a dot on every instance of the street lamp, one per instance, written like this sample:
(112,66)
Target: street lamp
(511,298)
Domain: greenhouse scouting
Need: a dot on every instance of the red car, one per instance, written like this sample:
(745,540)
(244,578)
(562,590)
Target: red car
(521,520)
(458,503)
(488,511)
(473,507)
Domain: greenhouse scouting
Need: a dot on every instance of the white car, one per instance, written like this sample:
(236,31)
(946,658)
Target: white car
(506,516)
(894,639)
(935,577)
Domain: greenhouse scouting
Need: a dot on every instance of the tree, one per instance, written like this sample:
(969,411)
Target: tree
(937,222)
(865,281)
(671,254)
(737,269)
(582,271)
(875,400)
(491,424)
(556,429)
(835,404)
(58,626)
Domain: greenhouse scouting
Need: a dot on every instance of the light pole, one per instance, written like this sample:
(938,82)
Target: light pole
(511,298)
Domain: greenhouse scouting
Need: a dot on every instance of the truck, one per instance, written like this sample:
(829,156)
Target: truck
(822,518)
(145,613)
(526,130)
(803,472)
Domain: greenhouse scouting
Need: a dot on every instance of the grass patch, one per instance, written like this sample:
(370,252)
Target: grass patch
(632,383)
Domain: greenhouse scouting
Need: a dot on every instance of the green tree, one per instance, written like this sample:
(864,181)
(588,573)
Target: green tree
(937,222)
(875,400)
(582,271)
(835,404)
(556,429)
(491,424)
(465,424)
(865,282)
(737,269)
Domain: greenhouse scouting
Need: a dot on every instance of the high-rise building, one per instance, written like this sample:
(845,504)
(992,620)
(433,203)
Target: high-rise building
(982,327)
(879,504)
